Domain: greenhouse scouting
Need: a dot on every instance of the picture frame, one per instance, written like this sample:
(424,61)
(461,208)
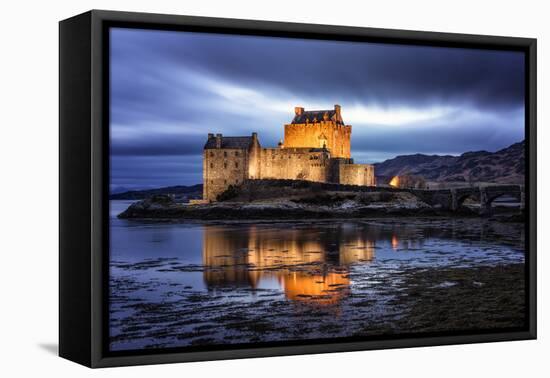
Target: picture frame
(84,102)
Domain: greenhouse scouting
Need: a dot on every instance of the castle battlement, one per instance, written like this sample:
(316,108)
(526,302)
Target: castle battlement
(316,147)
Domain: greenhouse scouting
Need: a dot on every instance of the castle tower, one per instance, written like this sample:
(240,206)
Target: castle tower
(319,129)
(229,161)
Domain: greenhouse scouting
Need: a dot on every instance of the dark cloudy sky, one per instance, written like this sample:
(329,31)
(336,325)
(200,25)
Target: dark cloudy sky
(170,89)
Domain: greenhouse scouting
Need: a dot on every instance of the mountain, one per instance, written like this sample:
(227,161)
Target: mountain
(119,189)
(181,193)
(506,166)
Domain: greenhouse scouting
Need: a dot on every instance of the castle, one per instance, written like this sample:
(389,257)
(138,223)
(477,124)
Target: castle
(316,147)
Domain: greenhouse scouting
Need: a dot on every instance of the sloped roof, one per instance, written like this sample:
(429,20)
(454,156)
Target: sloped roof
(240,142)
(316,116)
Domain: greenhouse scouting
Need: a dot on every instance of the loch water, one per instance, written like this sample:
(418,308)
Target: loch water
(177,284)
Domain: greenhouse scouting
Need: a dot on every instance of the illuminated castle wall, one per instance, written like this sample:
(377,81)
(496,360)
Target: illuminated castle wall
(316,147)
(324,128)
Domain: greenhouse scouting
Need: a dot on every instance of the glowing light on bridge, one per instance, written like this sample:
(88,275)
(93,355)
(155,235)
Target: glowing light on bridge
(395,182)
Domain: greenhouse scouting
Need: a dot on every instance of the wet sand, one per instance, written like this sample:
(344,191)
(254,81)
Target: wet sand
(421,300)
(463,299)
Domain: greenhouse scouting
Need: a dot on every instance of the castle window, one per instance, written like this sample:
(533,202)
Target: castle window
(211,154)
(236,165)
(225,165)
(236,153)
(225,154)
(211,181)
(211,165)
(225,181)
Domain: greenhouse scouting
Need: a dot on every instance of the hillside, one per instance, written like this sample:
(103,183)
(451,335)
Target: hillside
(506,166)
(182,193)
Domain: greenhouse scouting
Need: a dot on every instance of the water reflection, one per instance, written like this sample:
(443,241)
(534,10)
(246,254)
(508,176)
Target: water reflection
(394,242)
(178,284)
(308,264)
(322,289)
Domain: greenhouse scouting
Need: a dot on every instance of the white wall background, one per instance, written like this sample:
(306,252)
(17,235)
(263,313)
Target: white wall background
(29,186)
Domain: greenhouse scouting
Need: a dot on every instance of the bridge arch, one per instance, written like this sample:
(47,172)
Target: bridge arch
(462,197)
(490,193)
(516,195)
(453,199)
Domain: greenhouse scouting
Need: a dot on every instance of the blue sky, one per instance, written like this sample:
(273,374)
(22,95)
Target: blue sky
(170,89)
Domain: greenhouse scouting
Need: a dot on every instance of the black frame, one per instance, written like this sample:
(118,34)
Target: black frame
(84,179)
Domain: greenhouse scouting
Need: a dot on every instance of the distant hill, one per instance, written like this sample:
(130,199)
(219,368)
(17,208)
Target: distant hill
(182,193)
(506,166)
(119,189)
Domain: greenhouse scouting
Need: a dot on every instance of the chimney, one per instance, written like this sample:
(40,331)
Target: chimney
(218,140)
(210,135)
(298,110)
(337,110)
(254,137)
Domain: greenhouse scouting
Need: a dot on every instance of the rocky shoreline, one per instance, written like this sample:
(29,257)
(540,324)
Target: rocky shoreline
(162,207)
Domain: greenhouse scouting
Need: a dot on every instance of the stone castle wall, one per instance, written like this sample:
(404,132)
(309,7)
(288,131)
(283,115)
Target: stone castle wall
(294,164)
(356,174)
(221,168)
(337,137)
(254,159)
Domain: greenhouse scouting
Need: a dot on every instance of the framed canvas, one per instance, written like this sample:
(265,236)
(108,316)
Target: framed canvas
(234,188)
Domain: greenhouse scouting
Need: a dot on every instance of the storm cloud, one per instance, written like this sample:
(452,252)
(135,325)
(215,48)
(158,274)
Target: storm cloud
(169,89)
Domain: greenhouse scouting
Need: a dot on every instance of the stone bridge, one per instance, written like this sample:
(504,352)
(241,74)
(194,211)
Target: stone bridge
(452,199)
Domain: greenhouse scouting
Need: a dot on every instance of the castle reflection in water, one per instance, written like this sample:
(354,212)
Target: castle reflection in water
(309,264)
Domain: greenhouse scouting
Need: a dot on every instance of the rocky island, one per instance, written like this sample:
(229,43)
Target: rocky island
(292,199)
